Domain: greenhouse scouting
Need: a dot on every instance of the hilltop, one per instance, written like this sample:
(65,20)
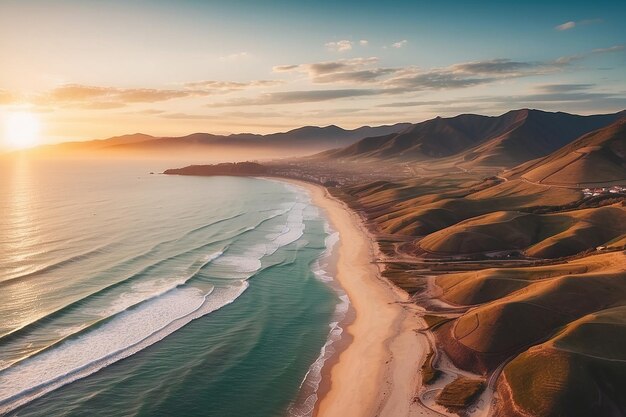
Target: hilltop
(471,140)
(597,158)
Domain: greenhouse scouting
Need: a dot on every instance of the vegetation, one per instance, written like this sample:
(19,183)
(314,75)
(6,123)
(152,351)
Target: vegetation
(405,279)
(460,393)
(435,321)
(429,373)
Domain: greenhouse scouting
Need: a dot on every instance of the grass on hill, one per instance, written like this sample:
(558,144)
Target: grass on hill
(460,393)
(429,372)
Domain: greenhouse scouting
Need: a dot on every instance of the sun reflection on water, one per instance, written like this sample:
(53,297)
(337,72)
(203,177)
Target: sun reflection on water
(19,239)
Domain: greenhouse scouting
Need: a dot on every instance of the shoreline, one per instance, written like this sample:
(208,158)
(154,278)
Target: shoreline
(376,370)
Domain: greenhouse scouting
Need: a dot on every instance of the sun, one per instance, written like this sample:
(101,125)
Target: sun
(21,129)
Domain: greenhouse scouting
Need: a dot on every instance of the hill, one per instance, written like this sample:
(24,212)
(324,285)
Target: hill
(524,283)
(597,158)
(537,235)
(580,372)
(565,350)
(469,140)
(427,209)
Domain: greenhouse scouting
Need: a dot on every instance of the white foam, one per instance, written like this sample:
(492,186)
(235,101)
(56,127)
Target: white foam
(311,212)
(313,377)
(64,332)
(281,235)
(124,335)
(145,290)
(241,264)
(320,264)
(311,381)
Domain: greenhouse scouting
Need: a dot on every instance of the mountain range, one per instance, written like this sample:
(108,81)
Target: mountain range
(304,140)
(506,140)
(466,142)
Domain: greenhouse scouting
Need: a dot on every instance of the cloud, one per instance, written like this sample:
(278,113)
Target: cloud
(285,68)
(355,77)
(557,96)
(399,44)
(566,60)
(571,24)
(363,42)
(568,93)
(615,48)
(251,114)
(561,88)
(469,74)
(86,94)
(337,71)
(591,98)
(560,94)
(461,75)
(544,95)
(235,56)
(362,76)
(102,105)
(494,66)
(102,98)
(231,85)
(306,96)
(362,70)
(413,103)
(566,26)
(186,116)
(436,80)
(149,112)
(339,46)
(328,67)
(6,97)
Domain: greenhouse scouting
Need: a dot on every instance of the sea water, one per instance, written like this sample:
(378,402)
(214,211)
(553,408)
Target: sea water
(129,293)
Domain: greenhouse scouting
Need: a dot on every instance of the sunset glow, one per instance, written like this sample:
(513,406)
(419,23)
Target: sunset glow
(21,130)
(279,208)
(266,67)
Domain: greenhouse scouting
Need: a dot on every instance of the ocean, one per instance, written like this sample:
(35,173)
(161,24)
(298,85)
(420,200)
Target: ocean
(136,294)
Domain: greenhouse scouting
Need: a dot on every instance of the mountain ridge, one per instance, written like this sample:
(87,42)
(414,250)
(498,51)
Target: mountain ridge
(311,138)
(506,140)
(598,157)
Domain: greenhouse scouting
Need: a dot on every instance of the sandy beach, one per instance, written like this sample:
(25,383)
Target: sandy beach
(377,372)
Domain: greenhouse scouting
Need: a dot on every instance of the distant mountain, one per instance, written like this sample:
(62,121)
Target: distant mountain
(598,157)
(303,140)
(507,140)
(309,137)
(98,143)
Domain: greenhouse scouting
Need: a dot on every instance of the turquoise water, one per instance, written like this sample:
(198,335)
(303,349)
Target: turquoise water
(125,293)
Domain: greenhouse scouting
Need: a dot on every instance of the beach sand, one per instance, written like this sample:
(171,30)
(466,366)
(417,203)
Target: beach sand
(377,371)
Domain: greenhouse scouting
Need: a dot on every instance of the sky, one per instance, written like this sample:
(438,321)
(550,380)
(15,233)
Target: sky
(94,69)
